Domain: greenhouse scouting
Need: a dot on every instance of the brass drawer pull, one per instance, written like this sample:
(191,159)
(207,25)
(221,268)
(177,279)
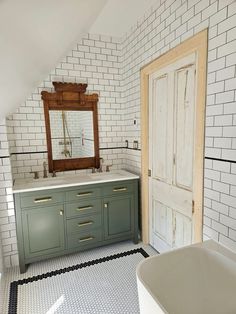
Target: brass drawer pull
(84,194)
(84,208)
(86,223)
(119,189)
(86,239)
(43,199)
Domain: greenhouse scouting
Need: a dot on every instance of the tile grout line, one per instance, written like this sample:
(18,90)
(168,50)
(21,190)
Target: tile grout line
(12,306)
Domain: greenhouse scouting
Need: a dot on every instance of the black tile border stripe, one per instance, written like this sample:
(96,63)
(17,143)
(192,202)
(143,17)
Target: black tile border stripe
(219,159)
(139,149)
(27,153)
(121,147)
(107,148)
(45,151)
(12,307)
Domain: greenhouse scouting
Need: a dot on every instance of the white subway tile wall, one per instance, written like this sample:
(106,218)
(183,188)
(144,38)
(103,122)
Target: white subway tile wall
(168,24)
(7,216)
(111,67)
(95,61)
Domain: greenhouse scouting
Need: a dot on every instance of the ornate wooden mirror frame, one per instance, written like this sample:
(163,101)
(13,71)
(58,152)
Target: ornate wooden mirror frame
(70,97)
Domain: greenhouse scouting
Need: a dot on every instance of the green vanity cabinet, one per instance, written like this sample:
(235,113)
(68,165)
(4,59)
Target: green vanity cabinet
(118,216)
(120,210)
(62,220)
(43,230)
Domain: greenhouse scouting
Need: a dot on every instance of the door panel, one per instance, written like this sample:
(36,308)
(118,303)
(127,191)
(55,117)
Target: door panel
(185,101)
(172,196)
(162,222)
(118,216)
(183,230)
(171,153)
(160,117)
(43,231)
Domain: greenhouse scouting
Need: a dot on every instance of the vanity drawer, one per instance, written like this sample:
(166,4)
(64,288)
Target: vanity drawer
(83,193)
(85,238)
(44,198)
(81,224)
(84,207)
(118,188)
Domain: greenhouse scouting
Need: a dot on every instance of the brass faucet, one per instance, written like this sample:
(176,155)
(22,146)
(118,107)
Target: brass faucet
(101,162)
(54,173)
(108,168)
(36,174)
(45,175)
(93,169)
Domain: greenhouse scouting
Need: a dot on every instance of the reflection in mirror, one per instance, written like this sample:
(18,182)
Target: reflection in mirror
(71,122)
(72,134)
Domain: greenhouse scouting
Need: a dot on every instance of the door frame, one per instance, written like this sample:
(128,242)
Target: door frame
(199,44)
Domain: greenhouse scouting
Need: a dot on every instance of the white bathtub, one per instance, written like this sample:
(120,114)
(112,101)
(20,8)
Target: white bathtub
(198,279)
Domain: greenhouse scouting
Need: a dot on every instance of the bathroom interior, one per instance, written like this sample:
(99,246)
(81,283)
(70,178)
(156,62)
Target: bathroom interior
(118,157)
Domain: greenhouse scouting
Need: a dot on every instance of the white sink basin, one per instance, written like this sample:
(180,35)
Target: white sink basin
(49,179)
(191,280)
(41,181)
(27,185)
(105,175)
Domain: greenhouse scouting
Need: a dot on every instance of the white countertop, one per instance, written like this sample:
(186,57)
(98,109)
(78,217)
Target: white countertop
(29,185)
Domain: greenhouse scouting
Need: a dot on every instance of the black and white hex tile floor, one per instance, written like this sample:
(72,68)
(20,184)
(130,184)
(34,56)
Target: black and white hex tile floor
(97,281)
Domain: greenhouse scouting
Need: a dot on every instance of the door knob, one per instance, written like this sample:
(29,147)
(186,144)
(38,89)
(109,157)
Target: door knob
(105,205)
(61,212)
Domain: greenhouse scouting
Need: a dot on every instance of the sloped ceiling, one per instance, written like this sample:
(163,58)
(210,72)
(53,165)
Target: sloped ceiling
(36,35)
(118,16)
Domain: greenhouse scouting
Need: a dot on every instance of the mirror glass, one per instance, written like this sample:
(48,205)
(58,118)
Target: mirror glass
(72,134)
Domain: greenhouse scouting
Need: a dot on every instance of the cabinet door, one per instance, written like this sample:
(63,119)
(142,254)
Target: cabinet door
(43,231)
(118,216)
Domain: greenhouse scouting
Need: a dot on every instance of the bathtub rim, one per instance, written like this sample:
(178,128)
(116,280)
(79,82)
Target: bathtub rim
(208,245)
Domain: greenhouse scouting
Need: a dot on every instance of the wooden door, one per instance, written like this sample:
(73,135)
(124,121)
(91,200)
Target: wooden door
(172,91)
